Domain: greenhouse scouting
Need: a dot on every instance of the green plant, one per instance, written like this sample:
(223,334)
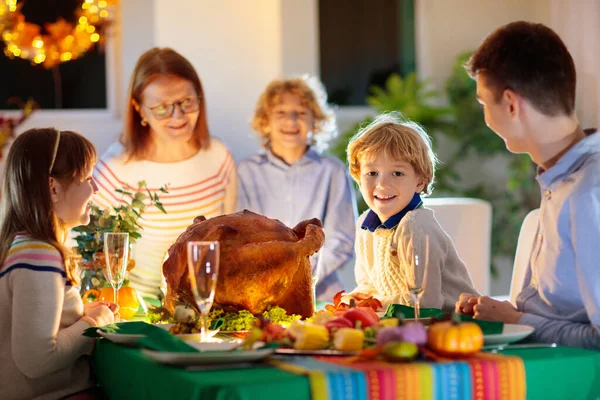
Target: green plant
(121,218)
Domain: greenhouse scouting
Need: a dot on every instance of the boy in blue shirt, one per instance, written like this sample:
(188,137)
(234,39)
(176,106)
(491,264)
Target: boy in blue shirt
(292,181)
(526,85)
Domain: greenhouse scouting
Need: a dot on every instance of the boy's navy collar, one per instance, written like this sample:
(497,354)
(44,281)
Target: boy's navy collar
(372,221)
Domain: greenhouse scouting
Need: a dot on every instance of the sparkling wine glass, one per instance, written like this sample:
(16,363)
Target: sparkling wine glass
(116,252)
(315,277)
(203,270)
(416,281)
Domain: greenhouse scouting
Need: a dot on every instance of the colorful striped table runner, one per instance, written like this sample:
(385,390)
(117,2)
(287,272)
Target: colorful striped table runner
(483,377)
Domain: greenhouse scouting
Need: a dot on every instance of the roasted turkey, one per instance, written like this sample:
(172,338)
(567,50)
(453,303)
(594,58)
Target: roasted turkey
(263,263)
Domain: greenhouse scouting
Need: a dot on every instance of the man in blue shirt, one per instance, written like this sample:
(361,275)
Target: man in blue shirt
(526,86)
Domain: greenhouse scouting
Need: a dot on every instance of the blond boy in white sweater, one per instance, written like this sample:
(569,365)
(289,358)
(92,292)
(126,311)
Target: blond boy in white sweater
(393,164)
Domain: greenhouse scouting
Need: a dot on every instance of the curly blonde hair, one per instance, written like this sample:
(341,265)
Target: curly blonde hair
(312,95)
(401,140)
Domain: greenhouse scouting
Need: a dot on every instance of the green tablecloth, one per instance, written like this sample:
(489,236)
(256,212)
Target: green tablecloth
(561,373)
(552,373)
(125,373)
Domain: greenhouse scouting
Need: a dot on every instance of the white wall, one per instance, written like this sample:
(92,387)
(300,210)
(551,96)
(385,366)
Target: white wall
(446,29)
(578,24)
(236,48)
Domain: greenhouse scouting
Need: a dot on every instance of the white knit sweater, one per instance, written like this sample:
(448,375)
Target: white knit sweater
(384,262)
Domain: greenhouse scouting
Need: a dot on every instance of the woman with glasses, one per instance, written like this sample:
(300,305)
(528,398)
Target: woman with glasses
(166,141)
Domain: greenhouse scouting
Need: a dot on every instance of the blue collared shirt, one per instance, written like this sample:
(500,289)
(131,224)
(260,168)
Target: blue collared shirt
(372,221)
(316,186)
(561,292)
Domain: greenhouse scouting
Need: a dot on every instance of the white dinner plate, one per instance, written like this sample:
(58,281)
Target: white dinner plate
(510,333)
(207,357)
(131,340)
(120,338)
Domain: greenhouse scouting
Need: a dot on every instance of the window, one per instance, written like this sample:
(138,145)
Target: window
(362,42)
(76,84)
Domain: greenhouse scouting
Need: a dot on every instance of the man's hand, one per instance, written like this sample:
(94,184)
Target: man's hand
(489,309)
(465,303)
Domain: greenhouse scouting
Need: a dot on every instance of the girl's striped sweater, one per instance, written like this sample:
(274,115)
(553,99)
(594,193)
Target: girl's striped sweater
(42,350)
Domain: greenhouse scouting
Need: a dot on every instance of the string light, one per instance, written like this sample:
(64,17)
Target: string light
(64,42)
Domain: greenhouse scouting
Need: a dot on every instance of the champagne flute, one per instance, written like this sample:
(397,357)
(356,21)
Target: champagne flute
(116,252)
(416,281)
(315,278)
(203,270)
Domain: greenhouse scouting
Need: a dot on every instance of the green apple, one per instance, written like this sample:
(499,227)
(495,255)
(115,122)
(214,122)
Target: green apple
(400,351)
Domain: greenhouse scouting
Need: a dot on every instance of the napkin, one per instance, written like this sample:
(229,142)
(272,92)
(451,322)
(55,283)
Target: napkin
(488,327)
(216,323)
(409,312)
(155,338)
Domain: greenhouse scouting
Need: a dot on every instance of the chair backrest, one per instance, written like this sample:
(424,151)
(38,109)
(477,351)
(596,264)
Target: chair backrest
(468,222)
(523,253)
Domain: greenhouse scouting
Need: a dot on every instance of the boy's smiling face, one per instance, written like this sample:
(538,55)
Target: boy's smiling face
(290,123)
(387,184)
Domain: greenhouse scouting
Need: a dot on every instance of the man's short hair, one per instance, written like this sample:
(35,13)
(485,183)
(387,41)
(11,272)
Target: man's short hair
(531,60)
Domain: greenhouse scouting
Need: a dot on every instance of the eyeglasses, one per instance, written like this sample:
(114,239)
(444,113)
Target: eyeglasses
(166,110)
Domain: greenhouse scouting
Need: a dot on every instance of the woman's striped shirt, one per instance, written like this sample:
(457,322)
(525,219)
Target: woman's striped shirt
(204,184)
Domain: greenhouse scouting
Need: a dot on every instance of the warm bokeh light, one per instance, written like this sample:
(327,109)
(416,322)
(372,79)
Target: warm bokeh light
(57,41)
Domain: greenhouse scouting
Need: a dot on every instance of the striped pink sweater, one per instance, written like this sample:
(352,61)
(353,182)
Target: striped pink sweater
(204,184)
(42,349)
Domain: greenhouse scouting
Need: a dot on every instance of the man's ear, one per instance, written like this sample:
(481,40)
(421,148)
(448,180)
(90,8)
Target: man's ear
(55,189)
(512,101)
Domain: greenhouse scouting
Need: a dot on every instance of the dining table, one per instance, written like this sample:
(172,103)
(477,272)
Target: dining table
(513,372)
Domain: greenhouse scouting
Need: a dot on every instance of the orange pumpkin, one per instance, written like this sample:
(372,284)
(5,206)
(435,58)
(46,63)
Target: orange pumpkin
(128,299)
(455,338)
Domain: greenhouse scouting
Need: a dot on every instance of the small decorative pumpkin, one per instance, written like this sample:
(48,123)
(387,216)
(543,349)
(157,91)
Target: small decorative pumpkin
(455,338)
(128,299)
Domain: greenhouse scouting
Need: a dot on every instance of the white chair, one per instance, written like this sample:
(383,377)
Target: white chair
(523,252)
(468,222)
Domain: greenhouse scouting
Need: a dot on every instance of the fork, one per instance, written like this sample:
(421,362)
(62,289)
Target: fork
(497,348)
